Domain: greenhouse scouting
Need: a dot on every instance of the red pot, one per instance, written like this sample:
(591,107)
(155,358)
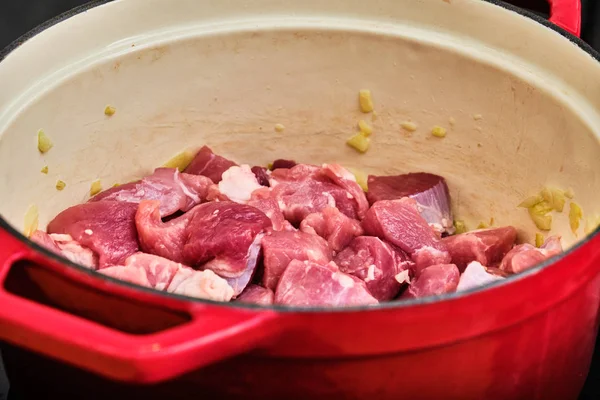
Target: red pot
(528,337)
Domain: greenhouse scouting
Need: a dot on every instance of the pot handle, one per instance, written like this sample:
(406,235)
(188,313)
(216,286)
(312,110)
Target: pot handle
(215,332)
(566,14)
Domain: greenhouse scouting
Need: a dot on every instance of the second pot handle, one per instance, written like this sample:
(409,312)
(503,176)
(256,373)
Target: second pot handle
(566,14)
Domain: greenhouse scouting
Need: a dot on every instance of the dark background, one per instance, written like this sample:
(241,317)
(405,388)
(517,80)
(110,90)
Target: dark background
(19,16)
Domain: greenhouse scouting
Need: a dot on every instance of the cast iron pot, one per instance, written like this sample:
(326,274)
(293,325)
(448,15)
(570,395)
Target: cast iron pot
(519,96)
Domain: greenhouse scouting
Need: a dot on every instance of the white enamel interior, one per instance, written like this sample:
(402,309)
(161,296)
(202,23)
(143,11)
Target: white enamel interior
(183,73)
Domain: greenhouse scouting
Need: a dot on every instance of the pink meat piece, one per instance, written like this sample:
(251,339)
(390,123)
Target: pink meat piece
(526,256)
(239,284)
(263,200)
(280,248)
(306,189)
(161,274)
(106,227)
(376,263)
(434,280)
(399,222)
(475,275)
(346,180)
(238,183)
(306,283)
(159,271)
(255,294)
(261,174)
(333,226)
(209,164)
(429,190)
(218,236)
(134,275)
(280,163)
(174,190)
(65,246)
(297,173)
(486,246)
(165,239)
(200,284)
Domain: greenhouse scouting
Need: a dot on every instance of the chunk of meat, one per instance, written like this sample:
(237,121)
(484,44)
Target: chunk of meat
(145,270)
(159,273)
(263,200)
(159,270)
(238,183)
(486,246)
(399,222)
(165,239)
(306,283)
(305,189)
(280,248)
(333,226)
(281,163)
(106,227)
(475,275)
(65,246)
(255,294)
(262,175)
(434,280)
(218,236)
(239,284)
(376,263)
(526,256)
(134,275)
(209,164)
(346,180)
(429,190)
(200,284)
(174,190)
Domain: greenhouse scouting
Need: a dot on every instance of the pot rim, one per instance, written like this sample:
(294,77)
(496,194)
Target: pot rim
(5,226)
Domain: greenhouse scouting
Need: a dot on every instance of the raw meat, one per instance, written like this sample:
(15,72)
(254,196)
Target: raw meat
(306,283)
(255,294)
(106,227)
(280,163)
(200,284)
(333,226)
(134,275)
(162,274)
(165,239)
(174,190)
(263,200)
(262,175)
(239,284)
(346,180)
(238,183)
(486,246)
(306,189)
(475,275)
(219,236)
(526,256)
(65,246)
(434,281)
(429,190)
(297,173)
(280,248)
(399,222)
(209,164)
(159,270)
(376,263)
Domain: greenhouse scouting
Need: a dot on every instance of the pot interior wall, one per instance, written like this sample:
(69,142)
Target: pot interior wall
(509,132)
